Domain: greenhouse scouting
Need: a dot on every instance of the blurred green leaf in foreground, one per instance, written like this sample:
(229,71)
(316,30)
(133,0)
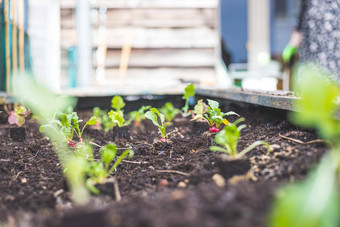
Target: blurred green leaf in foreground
(44,104)
(315,201)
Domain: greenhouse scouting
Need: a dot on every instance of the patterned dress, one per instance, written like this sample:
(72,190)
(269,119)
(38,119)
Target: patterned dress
(319,23)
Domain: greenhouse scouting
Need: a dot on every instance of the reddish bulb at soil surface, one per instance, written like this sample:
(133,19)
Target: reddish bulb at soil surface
(71,143)
(98,123)
(163,140)
(214,129)
(163,183)
(81,139)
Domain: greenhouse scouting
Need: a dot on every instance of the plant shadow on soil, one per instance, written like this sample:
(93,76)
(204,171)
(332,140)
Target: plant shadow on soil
(34,191)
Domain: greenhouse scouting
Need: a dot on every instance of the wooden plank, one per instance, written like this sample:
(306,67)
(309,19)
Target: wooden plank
(150,18)
(151,38)
(21,35)
(119,4)
(14,39)
(142,76)
(7,47)
(155,58)
(141,79)
(165,58)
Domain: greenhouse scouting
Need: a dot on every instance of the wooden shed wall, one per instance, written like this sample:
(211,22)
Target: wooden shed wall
(178,37)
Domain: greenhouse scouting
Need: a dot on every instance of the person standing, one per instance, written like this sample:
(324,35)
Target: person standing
(317,36)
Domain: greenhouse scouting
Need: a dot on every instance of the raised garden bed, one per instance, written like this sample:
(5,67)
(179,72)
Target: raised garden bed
(177,184)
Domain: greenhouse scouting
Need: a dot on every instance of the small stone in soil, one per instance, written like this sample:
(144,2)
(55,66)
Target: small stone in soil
(177,195)
(274,147)
(219,180)
(182,184)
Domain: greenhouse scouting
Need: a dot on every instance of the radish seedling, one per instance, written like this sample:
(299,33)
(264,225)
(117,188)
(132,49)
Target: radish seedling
(212,114)
(189,91)
(199,109)
(69,125)
(153,114)
(169,111)
(103,119)
(117,115)
(138,115)
(228,139)
(18,115)
(99,171)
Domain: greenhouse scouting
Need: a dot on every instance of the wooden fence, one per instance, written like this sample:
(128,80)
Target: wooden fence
(14,50)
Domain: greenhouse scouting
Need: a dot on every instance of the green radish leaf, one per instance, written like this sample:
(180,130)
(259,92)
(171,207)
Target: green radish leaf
(169,111)
(108,153)
(41,128)
(152,116)
(189,91)
(117,117)
(92,121)
(117,102)
(215,148)
(200,108)
(96,112)
(230,113)
(161,116)
(20,110)
(64,120)
(213,104)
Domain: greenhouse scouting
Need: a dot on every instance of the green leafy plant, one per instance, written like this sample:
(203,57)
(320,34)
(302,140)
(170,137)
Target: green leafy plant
(68,125)
(153,114)
(44,104)
(18,115)
(318,105)
(138,115)
(169,111)
(199,109)
(212,114)
(228,139)
(189,91)
(97,172)
(315,201)
(103,119)
(117,115)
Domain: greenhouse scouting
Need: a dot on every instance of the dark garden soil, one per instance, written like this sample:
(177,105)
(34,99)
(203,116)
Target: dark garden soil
(174,183)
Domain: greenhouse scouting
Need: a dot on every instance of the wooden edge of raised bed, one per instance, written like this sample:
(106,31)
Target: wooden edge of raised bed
(278,99)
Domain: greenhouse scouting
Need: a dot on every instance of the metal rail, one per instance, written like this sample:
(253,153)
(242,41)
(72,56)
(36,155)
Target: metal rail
(278,99)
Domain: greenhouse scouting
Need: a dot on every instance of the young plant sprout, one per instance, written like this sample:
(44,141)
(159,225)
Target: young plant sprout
(117,115)
(189,91)
(228,139)
(99,171)
(69,125)
(153,114)
(199,109)
(138,115)
(18,115)
(212,114)
(169,111)
(103,119)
